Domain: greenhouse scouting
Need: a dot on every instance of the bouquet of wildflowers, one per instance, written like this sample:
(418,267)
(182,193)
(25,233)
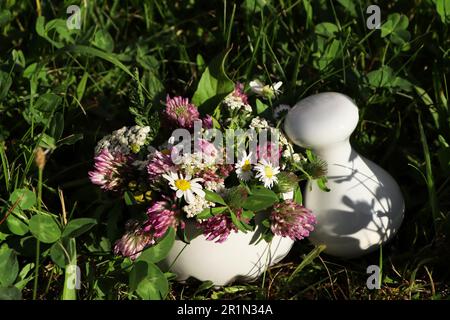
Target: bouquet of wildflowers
(228,170)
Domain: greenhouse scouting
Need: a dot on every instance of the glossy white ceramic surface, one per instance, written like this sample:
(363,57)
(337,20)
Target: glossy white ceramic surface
(364,207)
(222,263)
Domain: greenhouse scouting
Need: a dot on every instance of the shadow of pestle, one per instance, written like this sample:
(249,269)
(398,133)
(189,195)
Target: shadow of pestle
(364,207)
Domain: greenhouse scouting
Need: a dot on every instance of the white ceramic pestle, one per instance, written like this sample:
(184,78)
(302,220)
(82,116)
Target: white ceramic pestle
(364,207)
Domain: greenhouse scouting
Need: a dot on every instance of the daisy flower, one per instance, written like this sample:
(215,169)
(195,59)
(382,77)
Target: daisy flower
(185,186)
(244,168)
(267,173)
(281,110)
(265,91)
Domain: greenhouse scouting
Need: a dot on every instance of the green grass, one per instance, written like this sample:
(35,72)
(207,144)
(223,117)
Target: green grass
(64,90)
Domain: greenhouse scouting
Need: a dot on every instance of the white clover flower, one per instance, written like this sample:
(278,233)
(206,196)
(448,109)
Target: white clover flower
(259,123)
(280,110)
(267,173)
(244,168)
(215,186)
(125,140)
(185,187)
(297,157)
(265,91)
(284,141)
(192,162)
(235,103)
(196,206)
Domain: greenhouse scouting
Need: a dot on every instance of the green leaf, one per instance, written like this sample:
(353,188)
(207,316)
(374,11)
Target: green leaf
(103,40)
(239,224)
(260,199)
(204,286)
(423,95)
(395,27)
(9,266)
(382,77)
(5,84)
(159,251)
(82,86)
(322,184)
(210,212)
(148,281)
(260,107)
(214,197)
(5,17)
(253,6)
(110,57)
(69,140)
(394,23)
(349,6)
(43,109)
(44,228)
(326,29)
(10,293)
(16,225)
(214,84)
(443,9)
(25,276)
(77,227)
(25,198)
(18,57)
(58,255)
(47,142)
(309,12)
(298,198)
(59,25)
(308,260)
(402,84)
(56,127)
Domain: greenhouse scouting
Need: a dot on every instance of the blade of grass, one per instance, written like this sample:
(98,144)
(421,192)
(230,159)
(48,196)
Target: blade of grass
(308,260)
(429,177)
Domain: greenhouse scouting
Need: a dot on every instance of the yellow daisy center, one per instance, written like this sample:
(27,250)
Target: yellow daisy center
(246,166)
(268,171)
(182,184)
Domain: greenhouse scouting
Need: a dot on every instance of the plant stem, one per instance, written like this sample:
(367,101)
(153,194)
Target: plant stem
(38,243)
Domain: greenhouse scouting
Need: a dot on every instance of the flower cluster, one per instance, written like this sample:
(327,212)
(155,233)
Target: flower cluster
(194,182)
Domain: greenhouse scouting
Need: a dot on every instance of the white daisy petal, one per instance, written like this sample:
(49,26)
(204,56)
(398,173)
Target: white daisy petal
(200,192)
(188,196)
(277,85)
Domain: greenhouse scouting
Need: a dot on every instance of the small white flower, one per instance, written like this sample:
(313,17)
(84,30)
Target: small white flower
(297,157)
(235,103)
(284,141)
(259,123)
(184,186)
(197,206)
(280,110)
(125,140)
(192,163)
(215,186)
(244,168)
(267,173)
(266,91)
